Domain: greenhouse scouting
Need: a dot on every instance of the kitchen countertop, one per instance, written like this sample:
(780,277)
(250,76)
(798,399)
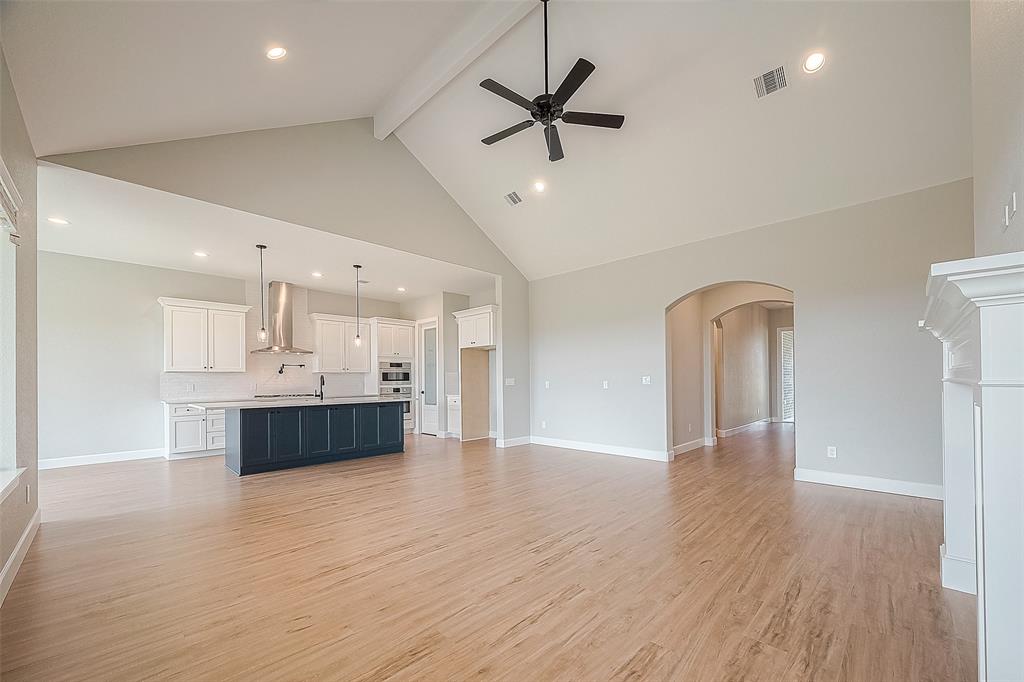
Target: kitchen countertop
(288,402)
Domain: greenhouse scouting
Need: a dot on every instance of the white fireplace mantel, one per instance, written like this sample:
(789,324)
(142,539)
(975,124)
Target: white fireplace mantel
(976,309)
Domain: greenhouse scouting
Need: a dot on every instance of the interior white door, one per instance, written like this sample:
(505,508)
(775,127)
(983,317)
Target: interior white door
(357,356)
(330,346)
(226,351)
(185,342)
(788,394)
(403,342)
(428,380)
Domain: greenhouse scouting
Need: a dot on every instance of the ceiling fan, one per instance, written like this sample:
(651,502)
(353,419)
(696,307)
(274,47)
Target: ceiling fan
(548,108)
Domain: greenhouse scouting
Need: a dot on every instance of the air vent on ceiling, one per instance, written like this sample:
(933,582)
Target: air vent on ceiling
(767,83)
(513,198)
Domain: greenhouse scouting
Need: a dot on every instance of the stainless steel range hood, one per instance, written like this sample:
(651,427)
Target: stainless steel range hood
(279,307)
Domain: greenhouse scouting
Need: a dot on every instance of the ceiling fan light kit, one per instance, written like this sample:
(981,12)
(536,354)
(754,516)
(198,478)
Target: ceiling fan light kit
(549,107)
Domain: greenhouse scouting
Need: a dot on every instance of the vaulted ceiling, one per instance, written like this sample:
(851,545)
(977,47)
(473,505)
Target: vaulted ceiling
(698,156)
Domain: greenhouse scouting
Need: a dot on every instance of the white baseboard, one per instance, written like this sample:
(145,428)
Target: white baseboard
(958,574)
(101,458)
(17,556)
(194,455)
(878,485)
(512,442)
(657,455)
(492,434)
(724,433)
(686,447)
(711,442)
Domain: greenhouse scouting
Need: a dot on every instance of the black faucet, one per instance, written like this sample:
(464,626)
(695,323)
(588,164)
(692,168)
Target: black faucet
(281,371)
(321,394)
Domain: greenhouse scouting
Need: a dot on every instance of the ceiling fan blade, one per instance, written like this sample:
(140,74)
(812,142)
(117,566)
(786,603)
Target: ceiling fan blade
(579,73)
(554,144)
(581,118)
(501,91)
(511,130)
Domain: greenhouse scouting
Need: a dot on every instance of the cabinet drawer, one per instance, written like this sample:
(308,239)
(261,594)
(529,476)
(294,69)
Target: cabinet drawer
(215,423)
(184,410)
(214,441)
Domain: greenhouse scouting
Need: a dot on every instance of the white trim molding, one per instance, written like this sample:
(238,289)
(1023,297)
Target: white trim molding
(9,479)
(189,455)
(686,447)
(101,458)
(601,448)
(710,442)
(957,573)
(725,433)
(929,491)
(512,442)
(17,556)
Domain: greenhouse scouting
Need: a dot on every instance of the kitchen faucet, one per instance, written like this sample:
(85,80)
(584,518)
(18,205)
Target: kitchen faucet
(321,393)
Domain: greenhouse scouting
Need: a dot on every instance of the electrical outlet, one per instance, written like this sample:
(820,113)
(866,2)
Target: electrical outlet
(689,428)
(510,381)
(646,380)
(547,384)
(28,493)
(543,424)
(831,451)
(604,384)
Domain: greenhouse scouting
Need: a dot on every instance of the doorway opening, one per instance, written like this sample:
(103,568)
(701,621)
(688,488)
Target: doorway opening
(427,378)
(730,361)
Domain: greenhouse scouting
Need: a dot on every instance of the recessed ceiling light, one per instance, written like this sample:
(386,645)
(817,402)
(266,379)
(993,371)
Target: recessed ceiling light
(318,274)
(401,290)
(58,221)
(200,254)
(276,53)
(814,62)
(539,186)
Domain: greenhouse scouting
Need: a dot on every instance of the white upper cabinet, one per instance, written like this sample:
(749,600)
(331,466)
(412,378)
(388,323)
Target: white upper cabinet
(202,336)
(477,327)
(394,340)
(336,348)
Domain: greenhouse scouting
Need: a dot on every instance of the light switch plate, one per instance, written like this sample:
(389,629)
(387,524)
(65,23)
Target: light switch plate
(604,384)
(547,384)
(646,380)
(510,381)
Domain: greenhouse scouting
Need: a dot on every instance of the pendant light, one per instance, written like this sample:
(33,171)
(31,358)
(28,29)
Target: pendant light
(262,335)
(358,341)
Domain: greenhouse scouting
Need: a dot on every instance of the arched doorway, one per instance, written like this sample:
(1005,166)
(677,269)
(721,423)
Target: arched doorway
(730,362)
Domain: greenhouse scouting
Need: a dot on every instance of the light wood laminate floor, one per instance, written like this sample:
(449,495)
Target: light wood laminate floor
(463,561)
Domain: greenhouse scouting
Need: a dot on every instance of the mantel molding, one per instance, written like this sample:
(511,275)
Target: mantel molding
(956,288)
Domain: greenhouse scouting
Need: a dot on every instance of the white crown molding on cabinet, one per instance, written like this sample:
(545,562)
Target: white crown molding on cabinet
(470,40)
(208,305)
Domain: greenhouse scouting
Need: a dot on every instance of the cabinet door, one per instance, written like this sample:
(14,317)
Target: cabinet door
(185,339)
(369,426)
(467,332)
(357,358)
(255,437)
(482,323)
(226,341)
(385,340)
(343,429)
(391,431)
(318,431)
(286,434)
(188,434)
(403,342)
(330,346)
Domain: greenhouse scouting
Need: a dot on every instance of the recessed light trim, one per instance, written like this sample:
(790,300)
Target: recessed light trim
(539,186)
(813,62)
(318,274)
(200,254)
(276,53)
(57,220)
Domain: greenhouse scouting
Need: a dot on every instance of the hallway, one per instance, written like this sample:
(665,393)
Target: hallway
(458,560)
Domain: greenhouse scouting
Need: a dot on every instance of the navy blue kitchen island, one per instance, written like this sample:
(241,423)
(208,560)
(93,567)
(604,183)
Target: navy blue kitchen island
(262,437)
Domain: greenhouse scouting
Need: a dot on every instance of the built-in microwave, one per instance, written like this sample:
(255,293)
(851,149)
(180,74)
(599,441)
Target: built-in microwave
(395,373)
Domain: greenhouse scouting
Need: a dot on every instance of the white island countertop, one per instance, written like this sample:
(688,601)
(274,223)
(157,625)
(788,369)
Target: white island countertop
(289,402)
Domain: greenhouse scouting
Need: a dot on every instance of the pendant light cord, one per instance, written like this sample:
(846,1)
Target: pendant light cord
(547,90)
(263,306)
(357,298)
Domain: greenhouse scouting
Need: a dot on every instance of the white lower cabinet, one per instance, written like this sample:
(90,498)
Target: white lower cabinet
(191,432)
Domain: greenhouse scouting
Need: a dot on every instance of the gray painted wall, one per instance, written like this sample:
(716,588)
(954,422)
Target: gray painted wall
(17,510)
(338,178)
(744,374)
(866,379)
(684,326)
(997,95)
